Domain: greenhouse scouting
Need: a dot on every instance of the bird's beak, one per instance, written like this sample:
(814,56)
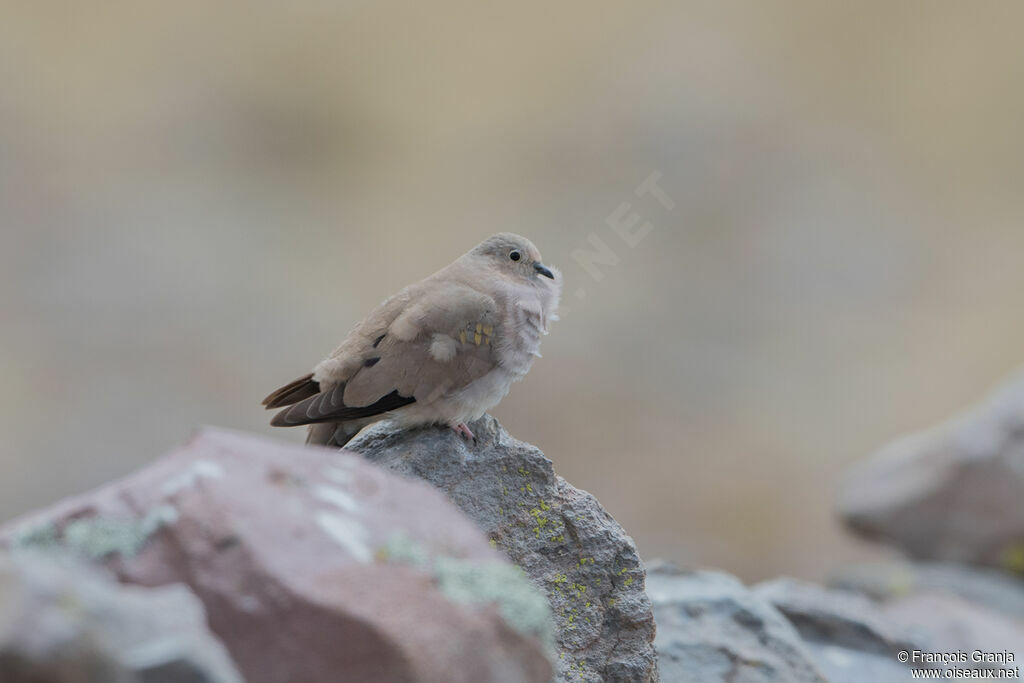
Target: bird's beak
(543,270)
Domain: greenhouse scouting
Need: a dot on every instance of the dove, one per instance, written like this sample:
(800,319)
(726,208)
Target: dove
(442,351)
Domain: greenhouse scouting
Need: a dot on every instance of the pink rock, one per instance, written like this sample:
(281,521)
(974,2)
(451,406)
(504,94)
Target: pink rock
(313,565)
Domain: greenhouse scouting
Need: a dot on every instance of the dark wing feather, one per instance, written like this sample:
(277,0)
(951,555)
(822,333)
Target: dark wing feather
(293,392)
(328,406)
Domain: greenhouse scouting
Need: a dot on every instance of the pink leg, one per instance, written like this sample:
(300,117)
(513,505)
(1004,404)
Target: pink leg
(462,430)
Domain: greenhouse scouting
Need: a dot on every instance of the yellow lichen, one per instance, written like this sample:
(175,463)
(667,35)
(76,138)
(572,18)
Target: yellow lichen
(1013,558)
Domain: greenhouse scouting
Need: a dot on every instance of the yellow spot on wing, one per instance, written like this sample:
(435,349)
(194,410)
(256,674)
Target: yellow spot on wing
(476,337)
(462,336)
(479,327)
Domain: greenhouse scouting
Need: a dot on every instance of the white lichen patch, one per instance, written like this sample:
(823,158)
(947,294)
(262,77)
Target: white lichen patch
(471,582)
(337,497)
(39,536)
(100,536)
(401,548)
(349,533)
(474,581)
(338,475)
(191,475)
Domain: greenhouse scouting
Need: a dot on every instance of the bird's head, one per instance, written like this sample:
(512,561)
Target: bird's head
(517,257)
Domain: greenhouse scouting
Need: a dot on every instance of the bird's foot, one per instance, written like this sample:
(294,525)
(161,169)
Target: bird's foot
(462,430)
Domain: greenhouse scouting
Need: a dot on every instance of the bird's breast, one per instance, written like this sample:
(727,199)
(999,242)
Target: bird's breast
(524,326)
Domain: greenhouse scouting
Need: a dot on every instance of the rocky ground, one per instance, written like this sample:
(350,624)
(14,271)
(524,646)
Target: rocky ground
(952,499)
(418,556)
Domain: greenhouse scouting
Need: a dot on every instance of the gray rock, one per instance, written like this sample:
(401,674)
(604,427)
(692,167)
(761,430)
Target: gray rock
(888,581)
(957,607)
(851,634)
(848,638)
(953,624)
(833,616)
(62,621)
(313,565)
(712,628)
(952,493)
(561,536)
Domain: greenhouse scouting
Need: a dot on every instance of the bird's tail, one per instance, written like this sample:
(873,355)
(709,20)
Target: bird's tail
(293,392)
(334,434)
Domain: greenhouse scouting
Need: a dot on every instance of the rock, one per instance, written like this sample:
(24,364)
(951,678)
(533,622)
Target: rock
(958,607)
(561,536)
(952,624)
(842,629)
(834,616)
(856,639)
(313,565)
(952,493)
(712,628)
(887,581)
(62,621)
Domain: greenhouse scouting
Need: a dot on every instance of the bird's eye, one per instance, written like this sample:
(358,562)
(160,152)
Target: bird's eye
(515,255)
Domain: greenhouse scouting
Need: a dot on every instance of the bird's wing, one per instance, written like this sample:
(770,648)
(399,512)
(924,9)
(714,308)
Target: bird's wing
(430,342)
(293,392)
(441,341)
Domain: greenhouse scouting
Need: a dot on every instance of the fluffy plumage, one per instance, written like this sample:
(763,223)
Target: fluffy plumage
(443,350)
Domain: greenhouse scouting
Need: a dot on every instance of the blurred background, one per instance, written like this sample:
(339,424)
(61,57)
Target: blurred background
(198,200)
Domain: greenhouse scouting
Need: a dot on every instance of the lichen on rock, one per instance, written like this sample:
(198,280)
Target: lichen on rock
(97,536)
(480,582)
(475,582)
(561,537)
